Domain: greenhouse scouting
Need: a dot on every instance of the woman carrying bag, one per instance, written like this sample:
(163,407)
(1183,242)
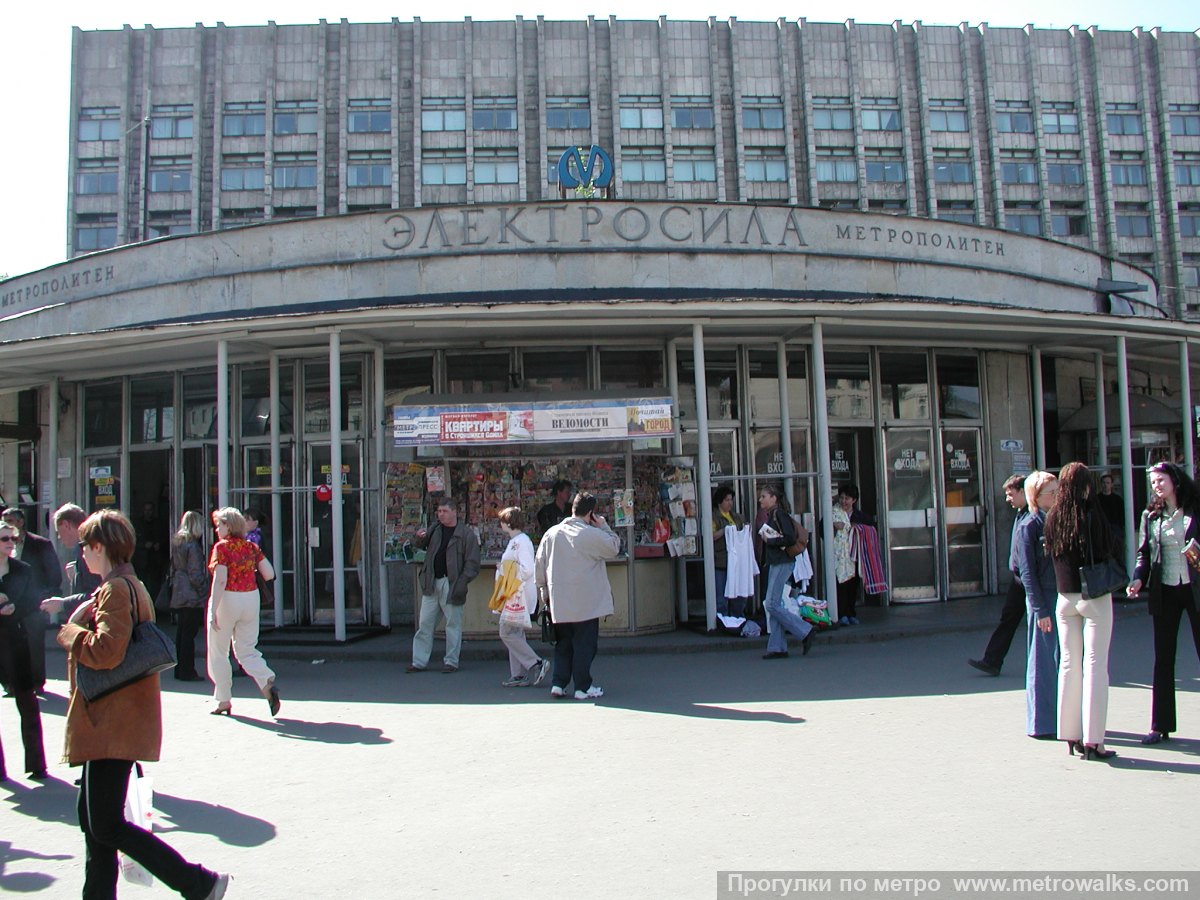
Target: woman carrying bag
(526,668)
(189,591)
(16,664)
(1171,519)
(109,734)
(1076,534)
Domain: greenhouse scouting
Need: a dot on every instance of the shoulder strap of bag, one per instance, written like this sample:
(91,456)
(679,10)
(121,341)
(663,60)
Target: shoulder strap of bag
(133,599)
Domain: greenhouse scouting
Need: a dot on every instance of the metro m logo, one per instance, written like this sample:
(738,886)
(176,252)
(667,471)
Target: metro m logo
(573,173)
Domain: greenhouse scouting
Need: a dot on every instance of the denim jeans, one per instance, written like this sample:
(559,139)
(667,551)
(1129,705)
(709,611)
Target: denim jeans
(781,619)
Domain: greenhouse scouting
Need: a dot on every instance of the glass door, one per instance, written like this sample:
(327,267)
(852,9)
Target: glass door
(911,515)
(320,533)
(199,489)
(258,480)
(962,512)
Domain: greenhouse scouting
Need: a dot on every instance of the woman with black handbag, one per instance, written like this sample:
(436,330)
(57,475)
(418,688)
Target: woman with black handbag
(1076,534)
(1171,520)
(109,734)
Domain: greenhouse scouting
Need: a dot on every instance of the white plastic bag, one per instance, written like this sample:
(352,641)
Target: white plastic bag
(139,811)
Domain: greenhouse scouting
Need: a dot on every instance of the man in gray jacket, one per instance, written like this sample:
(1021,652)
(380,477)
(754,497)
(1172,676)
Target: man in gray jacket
(570,565)
(451,562)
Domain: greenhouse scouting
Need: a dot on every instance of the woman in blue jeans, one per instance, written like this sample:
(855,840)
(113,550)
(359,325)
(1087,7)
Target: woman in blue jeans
(779,566)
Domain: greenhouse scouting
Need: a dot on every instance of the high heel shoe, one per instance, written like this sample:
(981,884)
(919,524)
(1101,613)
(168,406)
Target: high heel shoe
(1072,746)
(222,709)
(272,697)
(1091,751)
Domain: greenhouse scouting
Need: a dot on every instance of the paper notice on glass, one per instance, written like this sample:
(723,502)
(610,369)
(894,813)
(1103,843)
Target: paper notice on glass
(677,509)
(687,491)
(673,546)
(689,526)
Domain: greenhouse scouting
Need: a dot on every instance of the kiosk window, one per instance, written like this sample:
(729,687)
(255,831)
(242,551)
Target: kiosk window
(479,373)
(620,369)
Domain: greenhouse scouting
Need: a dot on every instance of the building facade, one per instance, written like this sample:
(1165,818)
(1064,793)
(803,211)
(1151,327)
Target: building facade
(312,256)
(1086,136)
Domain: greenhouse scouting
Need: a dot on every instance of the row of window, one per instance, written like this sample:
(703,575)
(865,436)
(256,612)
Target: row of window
(833,165)
(374,116)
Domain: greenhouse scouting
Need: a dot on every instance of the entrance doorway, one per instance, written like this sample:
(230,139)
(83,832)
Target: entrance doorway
(257,464)
(150,513)
(963,513)
(319,515)
(911,515)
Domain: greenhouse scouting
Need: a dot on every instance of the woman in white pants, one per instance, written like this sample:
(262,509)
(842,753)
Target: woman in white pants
(1076,534)
(525,667)
(233,610)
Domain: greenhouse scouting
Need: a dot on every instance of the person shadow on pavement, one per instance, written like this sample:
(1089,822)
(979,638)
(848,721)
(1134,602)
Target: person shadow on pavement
(198,817)
(18,882)
(320,732)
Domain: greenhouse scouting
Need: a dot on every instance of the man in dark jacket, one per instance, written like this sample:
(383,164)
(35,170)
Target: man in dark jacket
(38,553)
(451,562)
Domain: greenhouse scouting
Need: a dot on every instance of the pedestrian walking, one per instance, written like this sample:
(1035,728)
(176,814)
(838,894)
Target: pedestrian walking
(1012,613)
(518,569)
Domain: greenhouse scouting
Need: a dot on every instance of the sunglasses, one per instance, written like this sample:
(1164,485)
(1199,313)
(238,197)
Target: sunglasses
(7,538)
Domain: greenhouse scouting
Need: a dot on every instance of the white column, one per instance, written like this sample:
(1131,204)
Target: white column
(276,498)
(385,613)
(51,498)
(335,469)
(705,486)
(1126,455)
(1039,413)
(823,502)
(785,423)
(222,424)
(1102,415)
(681,599)
(1185,400)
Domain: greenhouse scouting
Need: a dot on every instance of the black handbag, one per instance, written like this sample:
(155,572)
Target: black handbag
(1100,579)
(162,603)
(148,653)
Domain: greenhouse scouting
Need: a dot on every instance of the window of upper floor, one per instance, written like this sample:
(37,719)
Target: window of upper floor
(295,170)
(765,164)
(836,165)
(1123,118)
(568,112)
(645,164)
(295,117)
(1127,169)
(373,115)
(640,111)
(1013,117)
(947,114)
(369,168)
(1187,169)
(494,114)
(443,167)
(95,232)
(96,176)
(496,166)
(884,165)
(688,111)
(1185,119)
(880,114)
(956,211)
(243,172)
(100,123)
(244,119)
(1059,117)
(1063,167)
(952,167)
(832,114)
(169,174)
(1068,220)
(1018,167)
(695,164)
(1022,217)
(171,121)
(762,112)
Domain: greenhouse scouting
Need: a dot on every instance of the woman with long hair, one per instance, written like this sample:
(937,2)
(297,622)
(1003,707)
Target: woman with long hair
(189,591)
(233,610)
(773,502)
(1171,519)
(107,736)
(1036,571)
(1076,534)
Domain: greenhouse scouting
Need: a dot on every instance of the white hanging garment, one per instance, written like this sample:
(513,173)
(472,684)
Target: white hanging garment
(802,570)
(741,568)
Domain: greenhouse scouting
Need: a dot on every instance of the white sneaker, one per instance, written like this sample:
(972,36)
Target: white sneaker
(595,692)
(557,692)
(218,888)
(538,673)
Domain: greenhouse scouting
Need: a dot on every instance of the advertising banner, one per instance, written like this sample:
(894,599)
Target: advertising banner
(533,422)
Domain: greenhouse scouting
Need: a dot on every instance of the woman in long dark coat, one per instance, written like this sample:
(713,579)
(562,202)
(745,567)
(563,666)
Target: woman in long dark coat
(16,666)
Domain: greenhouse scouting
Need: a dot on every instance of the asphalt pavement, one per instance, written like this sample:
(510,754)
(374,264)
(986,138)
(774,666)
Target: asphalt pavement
(880,750)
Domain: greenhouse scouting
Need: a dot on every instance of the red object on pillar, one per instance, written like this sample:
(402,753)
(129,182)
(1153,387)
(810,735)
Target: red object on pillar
(324,493)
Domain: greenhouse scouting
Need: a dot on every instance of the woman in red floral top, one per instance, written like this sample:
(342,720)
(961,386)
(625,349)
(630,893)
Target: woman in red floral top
(233,611)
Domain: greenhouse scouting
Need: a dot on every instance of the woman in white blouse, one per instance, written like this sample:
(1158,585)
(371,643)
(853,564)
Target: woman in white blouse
(1171,519)
(526,668)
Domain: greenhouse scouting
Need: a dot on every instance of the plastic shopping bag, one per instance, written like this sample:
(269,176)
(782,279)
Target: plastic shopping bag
(139,811)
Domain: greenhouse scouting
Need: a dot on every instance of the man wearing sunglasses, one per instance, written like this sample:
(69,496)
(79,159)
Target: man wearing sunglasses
(38,553)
